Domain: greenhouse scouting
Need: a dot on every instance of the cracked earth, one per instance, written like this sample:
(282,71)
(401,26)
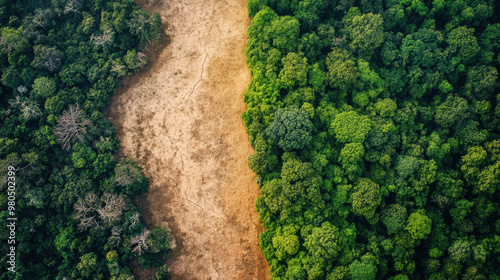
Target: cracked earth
(179,118)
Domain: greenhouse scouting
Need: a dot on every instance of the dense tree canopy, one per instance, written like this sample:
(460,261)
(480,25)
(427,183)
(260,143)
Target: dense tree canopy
(397,175)
(60,62)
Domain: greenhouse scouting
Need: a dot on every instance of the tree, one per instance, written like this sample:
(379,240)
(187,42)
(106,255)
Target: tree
(291,128)
(111,209)
(294,72)
(351,157)
(139,242)
(105,39)
(12,40)
(460,250)
(284,34)
(130,178)
(406,165)
(73,6)
(323,242)
(47,58)
(87,265)
(394,218)
(462,41)
(386,108)
(29,108)
(362,271)
(145,26)
(481,80)
(286,242)
(419,225)
(342,71)
(44,87)
(349,127)
(452,110)
(366,198)
(71,126)
(86,212)
(43,17)
(366,33)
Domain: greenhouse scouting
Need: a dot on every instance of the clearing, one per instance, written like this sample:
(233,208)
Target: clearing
(179,118)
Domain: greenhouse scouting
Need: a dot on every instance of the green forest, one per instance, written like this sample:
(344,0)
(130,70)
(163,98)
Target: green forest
(60,61)
(376,129)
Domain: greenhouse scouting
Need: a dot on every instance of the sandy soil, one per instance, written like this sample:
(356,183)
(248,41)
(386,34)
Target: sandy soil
(180,120)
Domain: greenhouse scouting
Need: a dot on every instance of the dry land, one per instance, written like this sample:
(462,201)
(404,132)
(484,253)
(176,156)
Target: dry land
(179,118)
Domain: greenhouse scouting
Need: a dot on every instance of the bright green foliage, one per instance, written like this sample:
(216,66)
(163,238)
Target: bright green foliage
(286,242)
(403,158)
(362,271)
(386,108)
(291,128)
(322,243)
(294,70)
(366,33)
(366,198)
(44,87)
(419,225)
(463,42)
(351,158)
(350,127)
(284,34)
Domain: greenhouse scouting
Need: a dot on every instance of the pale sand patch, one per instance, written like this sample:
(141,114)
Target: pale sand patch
(180,120)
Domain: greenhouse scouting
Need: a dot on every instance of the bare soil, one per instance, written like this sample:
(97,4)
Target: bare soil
(179,118)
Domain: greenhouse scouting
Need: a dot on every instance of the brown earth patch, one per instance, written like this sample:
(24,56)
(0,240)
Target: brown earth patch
(179,118)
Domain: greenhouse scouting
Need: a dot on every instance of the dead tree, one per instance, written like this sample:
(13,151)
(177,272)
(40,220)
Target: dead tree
(111,209)
(71,126)
(73,6)
(115,237)
(86,212)
(29,109)
(22,89)
(134,219)
(140,242)
(105,39)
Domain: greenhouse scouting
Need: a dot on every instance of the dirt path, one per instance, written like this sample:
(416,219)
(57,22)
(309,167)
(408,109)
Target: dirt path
(180,121)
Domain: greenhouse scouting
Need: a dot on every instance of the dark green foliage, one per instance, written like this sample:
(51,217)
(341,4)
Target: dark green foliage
(291,128)
(60,63)
(402,169)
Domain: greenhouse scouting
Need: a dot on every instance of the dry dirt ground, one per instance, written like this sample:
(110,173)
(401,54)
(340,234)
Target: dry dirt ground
(179,118)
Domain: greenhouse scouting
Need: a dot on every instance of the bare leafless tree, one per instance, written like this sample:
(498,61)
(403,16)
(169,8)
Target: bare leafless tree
(73,6)
(134,219)
(111,209)
(22,89)
(142,58)
(140,242)
(29,109)
(115,237)
(86,212)
(71,126)
(105,39)
(42,17)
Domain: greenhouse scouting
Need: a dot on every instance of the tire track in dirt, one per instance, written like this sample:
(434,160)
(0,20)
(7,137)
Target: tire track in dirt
(180,120)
